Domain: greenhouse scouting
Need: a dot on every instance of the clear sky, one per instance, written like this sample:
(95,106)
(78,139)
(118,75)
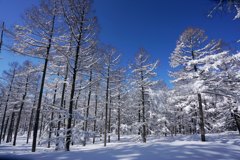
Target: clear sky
(152,24)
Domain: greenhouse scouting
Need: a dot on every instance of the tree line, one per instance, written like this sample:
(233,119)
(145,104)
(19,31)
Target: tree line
(79,93)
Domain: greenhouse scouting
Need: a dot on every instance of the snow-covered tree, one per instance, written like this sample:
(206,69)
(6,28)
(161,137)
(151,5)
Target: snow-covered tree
(111,59)
(82,28)
(35,38)
(193,57)
(143,72)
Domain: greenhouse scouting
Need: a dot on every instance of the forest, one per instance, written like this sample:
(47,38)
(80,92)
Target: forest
(79,93)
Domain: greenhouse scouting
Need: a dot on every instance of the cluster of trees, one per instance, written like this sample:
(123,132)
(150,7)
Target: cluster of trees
(79,93)
(78,90)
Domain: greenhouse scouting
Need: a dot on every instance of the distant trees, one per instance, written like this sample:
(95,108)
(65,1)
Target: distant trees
(11,77)
(80,91)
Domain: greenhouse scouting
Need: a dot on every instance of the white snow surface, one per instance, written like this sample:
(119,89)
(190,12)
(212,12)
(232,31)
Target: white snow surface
(222,146)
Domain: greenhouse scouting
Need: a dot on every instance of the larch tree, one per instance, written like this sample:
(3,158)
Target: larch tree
(191,57)
(143,72)
(11,74)
(35,38)
(81,26)
(26,80)
(111,59)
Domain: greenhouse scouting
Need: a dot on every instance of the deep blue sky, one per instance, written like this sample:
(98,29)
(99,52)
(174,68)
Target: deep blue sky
(152,24)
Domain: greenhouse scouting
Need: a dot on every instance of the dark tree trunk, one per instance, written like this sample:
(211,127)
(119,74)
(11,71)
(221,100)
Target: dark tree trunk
(88,106)
(41,127)
(237,119)
(20,111)
(1,37)
(109,123)
(76,107)
(202,130)
(5,109)
(119,116)
(5,128)
(106,106)
(10,128)
(30,125)
(139,118)
(52,114)
(201,115)
(62,107)
(95,114)
(38,110)
(75,70)
(143,111)
(50,130)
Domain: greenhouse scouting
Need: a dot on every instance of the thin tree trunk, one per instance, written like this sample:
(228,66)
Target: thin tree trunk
(76,107)
(119,116)
(20,111)
(62,107)
(5,109)
(109,123)
(139,118)
(5,128)
(143,111)
(1,37)
(10,128)
(88,106)
(95,114)
(41,127)
(202,130)
(38,110)
(50,130)
(52,114)
(30,125)
(106,106)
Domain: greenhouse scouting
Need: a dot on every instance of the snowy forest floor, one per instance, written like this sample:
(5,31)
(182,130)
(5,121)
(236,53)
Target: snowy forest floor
(223,146)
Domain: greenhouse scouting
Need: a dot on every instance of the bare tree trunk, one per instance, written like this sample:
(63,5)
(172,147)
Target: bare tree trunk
(75,70)
(30,125)
(41,128)
(88,106)
(38,110)
(50,130)
(202,130)
(139,118)
(10,128)
(237,119)
(95,114)
(143,112)
(62,107)
(106,106)
(1,37)
(201,115)
(76,107)
(5,109)
(109,123)
(119,116)
(51,121)
(20,111)
(5,128)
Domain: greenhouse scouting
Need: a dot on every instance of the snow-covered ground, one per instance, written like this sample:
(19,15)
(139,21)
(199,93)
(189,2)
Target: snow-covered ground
(224,146)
